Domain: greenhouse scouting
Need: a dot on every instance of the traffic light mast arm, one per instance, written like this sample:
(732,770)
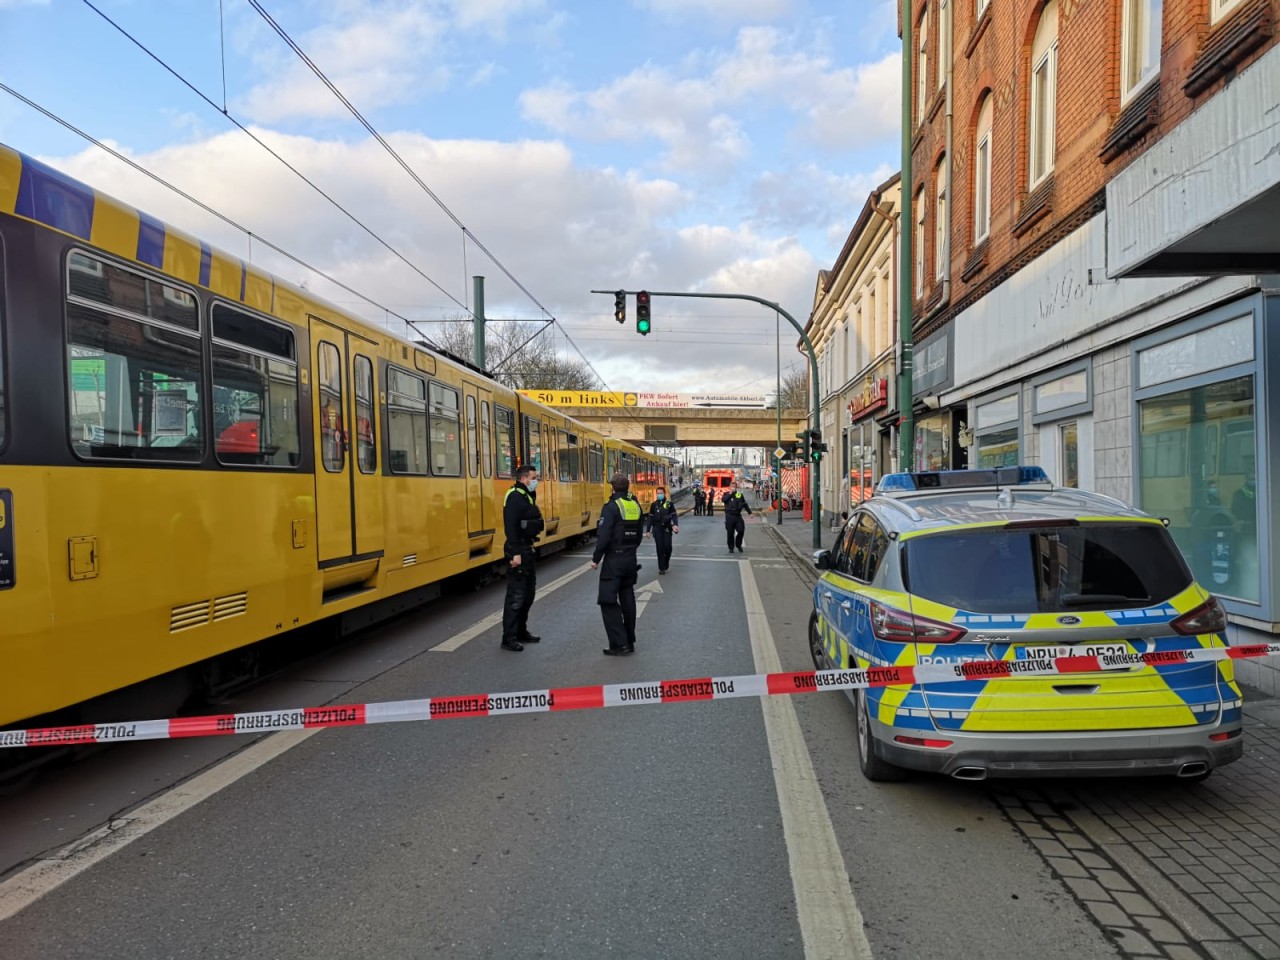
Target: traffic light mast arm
(813,376)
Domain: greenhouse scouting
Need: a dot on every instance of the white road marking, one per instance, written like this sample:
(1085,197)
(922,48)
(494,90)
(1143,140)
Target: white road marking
(645,594)
(829,918)
(47,874)
(494,619)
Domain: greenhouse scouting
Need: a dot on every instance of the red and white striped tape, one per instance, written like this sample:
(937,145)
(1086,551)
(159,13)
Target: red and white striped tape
(611,695)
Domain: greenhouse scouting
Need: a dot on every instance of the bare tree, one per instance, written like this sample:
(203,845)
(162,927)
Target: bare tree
(520,354)
(795,389)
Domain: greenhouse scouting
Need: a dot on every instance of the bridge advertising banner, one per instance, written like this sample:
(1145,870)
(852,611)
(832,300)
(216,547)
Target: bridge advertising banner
(658,401)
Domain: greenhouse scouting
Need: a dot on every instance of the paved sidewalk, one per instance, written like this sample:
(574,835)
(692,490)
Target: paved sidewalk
(1168,868)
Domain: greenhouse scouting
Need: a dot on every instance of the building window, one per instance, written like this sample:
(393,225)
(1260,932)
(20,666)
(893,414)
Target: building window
(944,41)
(996,433)
(922,68)
(1069,453)
(1044,94)
(982,174)
(940,245)
(1139,44)
(919,264)
(1220,9)
(1198,467)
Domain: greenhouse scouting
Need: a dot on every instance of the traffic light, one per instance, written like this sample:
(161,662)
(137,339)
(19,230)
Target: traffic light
(642,313)
(802,448)
(816,448)
(620,306)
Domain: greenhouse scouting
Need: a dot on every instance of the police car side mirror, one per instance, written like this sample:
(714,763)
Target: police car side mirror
(822,559)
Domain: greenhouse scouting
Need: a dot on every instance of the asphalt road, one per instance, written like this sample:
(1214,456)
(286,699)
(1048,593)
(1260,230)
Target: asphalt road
(653,831)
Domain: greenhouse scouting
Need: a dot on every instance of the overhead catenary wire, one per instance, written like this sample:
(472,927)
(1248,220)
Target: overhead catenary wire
(199,203)
(258,140)
(323,78)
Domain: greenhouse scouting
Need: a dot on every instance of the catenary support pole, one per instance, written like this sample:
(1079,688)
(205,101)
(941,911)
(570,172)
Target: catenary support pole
(906,263)
(477,288)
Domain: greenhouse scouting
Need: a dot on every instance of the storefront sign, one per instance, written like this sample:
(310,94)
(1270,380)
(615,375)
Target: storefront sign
(875,396)
(933,364)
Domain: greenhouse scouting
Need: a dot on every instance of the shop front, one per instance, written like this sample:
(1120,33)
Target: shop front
(938,428)
(867,440)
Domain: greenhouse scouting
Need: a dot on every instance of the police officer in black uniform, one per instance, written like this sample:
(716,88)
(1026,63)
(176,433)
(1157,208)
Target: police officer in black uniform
(522,521)
(734,525)
(619,532)
(698,499)
(662,522)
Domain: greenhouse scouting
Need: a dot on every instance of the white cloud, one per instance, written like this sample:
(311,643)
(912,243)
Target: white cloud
(807,196)
(722,11)
(377,54)
(691,116)
(561,228)
(492,16)
(483,74)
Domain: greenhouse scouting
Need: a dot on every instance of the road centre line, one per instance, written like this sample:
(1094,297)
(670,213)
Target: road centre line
(48,873)
(480,626)
(830,922)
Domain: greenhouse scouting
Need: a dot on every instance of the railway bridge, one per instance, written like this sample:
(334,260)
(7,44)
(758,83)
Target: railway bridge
(693,427)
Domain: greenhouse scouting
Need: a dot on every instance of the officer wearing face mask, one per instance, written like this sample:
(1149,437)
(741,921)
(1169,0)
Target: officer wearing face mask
(522,521)
(662,522)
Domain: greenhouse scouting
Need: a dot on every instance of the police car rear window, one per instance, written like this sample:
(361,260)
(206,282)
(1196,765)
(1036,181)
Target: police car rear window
(1110,566)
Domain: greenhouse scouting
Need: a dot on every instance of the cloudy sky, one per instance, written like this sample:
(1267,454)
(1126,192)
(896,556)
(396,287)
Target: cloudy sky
(683,145)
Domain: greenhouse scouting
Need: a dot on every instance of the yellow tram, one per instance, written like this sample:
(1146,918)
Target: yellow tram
(195,455)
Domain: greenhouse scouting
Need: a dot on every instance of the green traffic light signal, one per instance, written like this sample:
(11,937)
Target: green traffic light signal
(643,324)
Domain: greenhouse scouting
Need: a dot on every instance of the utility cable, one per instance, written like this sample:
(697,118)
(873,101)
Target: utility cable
(302,55)
(199,203)
(258,140)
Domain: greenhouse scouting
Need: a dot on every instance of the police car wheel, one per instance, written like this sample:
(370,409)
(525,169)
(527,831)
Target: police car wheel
(815,644)
(872,767)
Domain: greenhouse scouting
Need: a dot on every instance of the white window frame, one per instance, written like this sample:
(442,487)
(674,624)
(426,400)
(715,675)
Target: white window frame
(922,66)
(1043,140)
(1219,10)
(1140,40)
(981,8)
(982,173)
(919,264)
(940,244)
(944,41)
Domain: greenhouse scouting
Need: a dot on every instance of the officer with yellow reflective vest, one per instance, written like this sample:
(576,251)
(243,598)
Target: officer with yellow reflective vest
(619,532)
(522,521)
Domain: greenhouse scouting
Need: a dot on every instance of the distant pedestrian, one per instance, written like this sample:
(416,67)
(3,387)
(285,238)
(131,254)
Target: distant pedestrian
(699,499)
(662,522)
(619,532)
(735,527)
(710,509)
(522,521)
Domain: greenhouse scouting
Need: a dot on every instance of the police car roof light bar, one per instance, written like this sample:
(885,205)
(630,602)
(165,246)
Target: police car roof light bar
(999,477)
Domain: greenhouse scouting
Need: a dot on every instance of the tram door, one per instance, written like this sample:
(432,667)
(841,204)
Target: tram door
(349,525)
(479,492)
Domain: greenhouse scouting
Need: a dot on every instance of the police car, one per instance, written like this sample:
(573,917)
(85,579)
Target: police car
(978,565)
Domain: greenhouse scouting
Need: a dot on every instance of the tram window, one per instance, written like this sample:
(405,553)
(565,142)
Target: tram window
(446,448)
(506,419)
(3,418)
(255,391)
(406,422)
(473,438)
(557,454)
(333,444)
(135,388)
(595,463)
(628,465)
(533,443)
(101,283)
(569,469)
(366,444)
(486,439)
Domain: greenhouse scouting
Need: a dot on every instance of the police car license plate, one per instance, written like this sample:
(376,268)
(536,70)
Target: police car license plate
(1075,650)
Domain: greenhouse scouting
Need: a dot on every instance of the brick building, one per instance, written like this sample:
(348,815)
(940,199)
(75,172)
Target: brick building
(1096,200)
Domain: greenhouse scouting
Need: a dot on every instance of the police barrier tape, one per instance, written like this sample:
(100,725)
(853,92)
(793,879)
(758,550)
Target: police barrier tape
(613,695)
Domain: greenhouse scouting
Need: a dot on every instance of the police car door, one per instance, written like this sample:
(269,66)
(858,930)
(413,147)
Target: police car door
(841,590)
